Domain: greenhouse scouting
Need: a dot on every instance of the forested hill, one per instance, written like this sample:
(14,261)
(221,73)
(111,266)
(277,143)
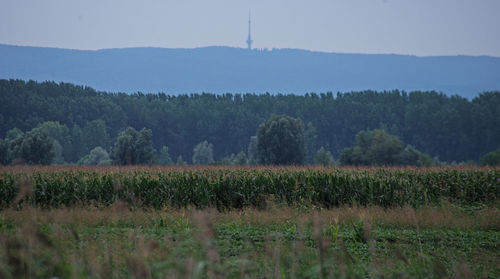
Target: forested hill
(453,128)
(225,69)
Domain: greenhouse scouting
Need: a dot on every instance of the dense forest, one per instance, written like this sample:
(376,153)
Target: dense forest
(451,128)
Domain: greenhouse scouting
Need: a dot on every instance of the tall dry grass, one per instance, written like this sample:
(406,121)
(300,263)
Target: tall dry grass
(121,241)
(445,217)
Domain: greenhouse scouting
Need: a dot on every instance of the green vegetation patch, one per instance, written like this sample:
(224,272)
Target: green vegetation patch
(113,243)
(230,188)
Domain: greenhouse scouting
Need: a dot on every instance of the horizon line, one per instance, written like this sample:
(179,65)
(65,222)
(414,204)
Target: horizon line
(253,49)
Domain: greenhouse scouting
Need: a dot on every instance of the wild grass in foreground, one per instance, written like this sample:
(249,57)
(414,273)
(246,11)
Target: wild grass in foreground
(121,241)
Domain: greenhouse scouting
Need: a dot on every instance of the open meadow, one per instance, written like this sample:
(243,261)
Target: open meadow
(249,222)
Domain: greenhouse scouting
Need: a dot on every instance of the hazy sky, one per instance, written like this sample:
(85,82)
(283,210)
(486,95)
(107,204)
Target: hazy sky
(419,27)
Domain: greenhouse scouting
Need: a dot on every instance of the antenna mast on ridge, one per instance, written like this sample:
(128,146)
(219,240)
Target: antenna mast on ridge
(249,40)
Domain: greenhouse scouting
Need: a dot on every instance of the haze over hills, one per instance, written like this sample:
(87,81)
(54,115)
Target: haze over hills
(236,70)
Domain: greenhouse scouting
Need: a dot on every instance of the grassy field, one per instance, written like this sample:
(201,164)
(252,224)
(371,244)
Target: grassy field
(124,236)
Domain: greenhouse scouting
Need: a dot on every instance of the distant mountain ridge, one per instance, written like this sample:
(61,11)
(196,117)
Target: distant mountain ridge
(237,70)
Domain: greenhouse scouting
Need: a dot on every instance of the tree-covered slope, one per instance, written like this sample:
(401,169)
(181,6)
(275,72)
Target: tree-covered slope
(225,69)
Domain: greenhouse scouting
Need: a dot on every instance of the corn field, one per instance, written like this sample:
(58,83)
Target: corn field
(239,187)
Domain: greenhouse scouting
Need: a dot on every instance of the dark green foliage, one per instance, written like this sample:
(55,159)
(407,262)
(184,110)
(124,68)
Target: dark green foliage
(310,138)
(13,134)
(490,159)
(61,137)
(94,134)
(33,148)
(15,151)
(252,151)
(240,159)
(449,127)
(4,152)
(133,148)
(412,157)
(323,157)
(37,148)
(226,188)
(378,148)
(97,156)
(79,147)
(346,157)
(203,153)
(10,185)
(280,141)
(180,161)
(164,158)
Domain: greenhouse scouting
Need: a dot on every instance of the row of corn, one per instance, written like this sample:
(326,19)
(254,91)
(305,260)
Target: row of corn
(227,188)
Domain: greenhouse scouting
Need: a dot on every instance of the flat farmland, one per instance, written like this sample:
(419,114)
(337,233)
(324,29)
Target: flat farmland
(249,222)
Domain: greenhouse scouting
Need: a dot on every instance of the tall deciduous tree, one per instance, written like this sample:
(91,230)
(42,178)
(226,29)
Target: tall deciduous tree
(323,157)
(97,156)
(134,148)
(240,159)
(165,158)
(373,147)
(252,151)
(61,136)
(411,156)
(376,147)
(490,159)
(180,161)
(203,153)
(280,141)
(33,148)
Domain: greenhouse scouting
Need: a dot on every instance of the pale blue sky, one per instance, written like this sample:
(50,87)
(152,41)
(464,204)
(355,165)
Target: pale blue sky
(418,27)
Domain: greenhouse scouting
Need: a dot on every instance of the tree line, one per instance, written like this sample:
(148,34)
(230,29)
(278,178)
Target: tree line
(280,140)
(80,119)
